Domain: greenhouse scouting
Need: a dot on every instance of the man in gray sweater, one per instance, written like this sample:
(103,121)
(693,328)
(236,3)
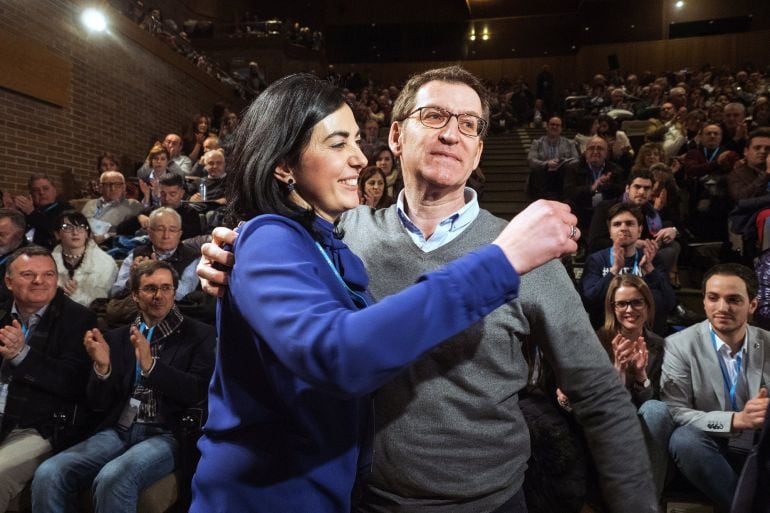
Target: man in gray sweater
(449,432)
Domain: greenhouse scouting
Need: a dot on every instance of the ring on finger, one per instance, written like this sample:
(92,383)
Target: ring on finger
(572,232)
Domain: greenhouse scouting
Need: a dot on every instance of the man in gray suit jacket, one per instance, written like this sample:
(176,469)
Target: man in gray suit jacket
(713,381)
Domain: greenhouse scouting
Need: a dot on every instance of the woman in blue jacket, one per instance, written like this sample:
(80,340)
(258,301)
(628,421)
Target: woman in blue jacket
(301,344)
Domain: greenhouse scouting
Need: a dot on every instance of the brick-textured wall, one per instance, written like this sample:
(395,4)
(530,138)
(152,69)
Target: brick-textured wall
(123,97)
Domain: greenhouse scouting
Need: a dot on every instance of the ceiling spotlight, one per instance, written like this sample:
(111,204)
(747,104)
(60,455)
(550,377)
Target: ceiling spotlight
(473,37)
(94,20)
(679,4)
(485,37)
(587,28)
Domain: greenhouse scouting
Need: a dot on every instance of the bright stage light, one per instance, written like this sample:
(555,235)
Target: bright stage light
(94,20)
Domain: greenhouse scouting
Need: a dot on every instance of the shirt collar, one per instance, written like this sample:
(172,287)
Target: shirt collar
(448,228)
(724,349)
(33,319)
(163,255)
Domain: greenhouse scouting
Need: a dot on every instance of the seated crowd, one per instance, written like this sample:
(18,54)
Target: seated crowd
(106,337)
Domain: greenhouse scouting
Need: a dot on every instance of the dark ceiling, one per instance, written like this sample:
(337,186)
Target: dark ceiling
(491,29)
(417,30)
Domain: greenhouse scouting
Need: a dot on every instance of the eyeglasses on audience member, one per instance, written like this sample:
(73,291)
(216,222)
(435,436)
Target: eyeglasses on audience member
(70,228)
(635,304)
(151,290)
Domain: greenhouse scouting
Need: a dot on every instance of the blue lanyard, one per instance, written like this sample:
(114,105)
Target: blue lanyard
(596,174)
(725,376)
(138,370)
(634,270)
(358,299)
(713,154)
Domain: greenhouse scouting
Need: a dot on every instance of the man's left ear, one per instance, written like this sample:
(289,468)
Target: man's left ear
(753,305)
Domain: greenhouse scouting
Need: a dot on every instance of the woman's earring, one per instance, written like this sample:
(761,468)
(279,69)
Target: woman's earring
(290,185)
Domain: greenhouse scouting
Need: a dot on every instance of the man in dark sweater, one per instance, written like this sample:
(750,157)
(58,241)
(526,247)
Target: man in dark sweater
(41,210)
(590,180)
(450,435)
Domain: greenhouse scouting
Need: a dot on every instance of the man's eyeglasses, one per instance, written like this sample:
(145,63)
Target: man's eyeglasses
(635,304)
(151,290)
(69,228)
(111,185)
(435,117)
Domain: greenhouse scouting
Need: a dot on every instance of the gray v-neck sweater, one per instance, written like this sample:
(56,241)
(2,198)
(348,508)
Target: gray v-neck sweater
(449,432)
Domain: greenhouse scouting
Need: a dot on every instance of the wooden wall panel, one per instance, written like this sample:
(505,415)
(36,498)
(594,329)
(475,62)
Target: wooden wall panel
(29,68)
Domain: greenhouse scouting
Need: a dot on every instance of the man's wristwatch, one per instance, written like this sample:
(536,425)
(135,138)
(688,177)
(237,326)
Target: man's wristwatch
(645,384)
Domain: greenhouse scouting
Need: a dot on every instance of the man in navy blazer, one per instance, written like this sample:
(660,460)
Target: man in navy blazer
(144,376)
(714,382)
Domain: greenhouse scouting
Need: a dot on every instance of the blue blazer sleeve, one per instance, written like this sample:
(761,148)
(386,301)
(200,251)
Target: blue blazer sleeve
(289,297)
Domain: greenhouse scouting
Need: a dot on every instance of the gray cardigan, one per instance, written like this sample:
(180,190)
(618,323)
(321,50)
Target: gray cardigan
(449,432)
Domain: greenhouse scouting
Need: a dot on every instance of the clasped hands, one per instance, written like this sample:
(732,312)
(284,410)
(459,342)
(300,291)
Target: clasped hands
(99,350)
(630,356)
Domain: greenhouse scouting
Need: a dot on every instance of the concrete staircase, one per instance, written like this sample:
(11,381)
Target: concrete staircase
(504,163)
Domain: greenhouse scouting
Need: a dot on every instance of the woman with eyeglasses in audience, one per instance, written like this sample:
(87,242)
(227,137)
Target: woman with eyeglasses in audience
(85,271)
(637,354)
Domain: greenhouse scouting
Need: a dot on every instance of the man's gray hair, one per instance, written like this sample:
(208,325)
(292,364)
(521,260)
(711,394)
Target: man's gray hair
(31,250)
(165,211)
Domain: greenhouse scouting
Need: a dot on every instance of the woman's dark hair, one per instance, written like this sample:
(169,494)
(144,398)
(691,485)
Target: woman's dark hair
(197,119)
(612,125)
(274,131)
(105,155)
(375,153)
(75,218)
(367,173)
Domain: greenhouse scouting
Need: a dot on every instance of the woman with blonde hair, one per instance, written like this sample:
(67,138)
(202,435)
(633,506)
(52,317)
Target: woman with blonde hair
(649,154)
(155,166)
